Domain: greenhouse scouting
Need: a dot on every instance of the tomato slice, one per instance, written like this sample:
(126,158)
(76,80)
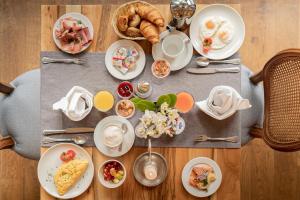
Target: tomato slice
(71,153)
(67,156)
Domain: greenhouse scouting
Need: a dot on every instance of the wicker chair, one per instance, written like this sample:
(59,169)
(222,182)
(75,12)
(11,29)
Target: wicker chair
(281,79)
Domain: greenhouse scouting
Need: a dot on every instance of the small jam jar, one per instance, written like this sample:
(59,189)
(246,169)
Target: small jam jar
(125,90)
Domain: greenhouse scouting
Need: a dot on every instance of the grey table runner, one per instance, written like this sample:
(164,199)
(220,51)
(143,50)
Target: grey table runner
(57,79)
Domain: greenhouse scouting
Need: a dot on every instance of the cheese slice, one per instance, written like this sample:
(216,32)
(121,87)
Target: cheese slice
(68,174)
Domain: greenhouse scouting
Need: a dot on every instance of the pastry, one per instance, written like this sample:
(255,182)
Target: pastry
(122,23)
(124,59)
(202,176)
(134,21)
(133,32)
(131,10)
(149,31)
(150,13)
(68,175)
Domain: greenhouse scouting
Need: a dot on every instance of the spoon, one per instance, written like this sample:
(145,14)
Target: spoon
(124,129)
(204,62)
(80,140)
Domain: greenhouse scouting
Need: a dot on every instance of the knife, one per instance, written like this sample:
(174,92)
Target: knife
(194,70)
(69,131)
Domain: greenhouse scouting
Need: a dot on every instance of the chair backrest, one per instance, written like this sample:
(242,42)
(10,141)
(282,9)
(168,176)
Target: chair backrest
(281,77)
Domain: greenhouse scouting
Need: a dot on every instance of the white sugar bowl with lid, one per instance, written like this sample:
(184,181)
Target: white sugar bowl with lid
(223,102)
(143,89)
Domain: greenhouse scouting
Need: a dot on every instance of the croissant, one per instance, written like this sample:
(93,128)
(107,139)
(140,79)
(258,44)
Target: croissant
(151,14)
(149,31)
(122,23)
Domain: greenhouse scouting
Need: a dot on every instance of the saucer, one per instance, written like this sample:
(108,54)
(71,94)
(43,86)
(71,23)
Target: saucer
(128,138)
(180,61)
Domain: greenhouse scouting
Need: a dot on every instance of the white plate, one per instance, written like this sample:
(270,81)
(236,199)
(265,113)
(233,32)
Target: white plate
(179,62)
(128,138)
(85,21)
(49,163)
(186,175)
(140,64)
(227,13)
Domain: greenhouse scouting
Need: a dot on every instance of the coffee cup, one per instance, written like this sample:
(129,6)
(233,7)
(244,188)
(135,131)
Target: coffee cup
(173,45)
(113,136)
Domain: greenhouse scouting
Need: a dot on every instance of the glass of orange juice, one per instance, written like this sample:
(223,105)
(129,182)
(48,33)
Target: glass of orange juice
(103,101)
(185,102)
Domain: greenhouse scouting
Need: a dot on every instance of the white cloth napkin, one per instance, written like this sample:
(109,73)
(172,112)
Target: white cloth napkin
(222,102)
(76,105)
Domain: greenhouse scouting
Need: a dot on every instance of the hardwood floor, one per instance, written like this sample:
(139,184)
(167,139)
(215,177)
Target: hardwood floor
(271,25)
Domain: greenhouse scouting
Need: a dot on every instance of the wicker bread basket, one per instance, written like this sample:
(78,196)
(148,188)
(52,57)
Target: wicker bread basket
(122,10)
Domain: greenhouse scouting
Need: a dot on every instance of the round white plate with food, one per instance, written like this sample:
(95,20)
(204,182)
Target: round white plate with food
(73,33)
(217,31)
(179,61)
(201,177)
(50,162)
(125,59)
(108,138)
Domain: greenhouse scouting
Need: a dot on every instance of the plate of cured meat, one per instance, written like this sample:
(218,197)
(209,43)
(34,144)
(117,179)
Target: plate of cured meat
(73,33)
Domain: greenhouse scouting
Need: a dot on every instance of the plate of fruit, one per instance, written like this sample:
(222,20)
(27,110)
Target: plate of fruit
(112,174)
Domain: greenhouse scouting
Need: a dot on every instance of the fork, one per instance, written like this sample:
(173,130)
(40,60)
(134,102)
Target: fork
(78,61)
(203,138)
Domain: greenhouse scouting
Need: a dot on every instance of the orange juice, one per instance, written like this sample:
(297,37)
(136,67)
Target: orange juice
(185,102)
(103,101)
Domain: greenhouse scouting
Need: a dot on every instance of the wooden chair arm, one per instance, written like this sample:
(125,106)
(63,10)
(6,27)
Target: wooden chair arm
(6,88)
(6,142)
(257,132)
(255,79)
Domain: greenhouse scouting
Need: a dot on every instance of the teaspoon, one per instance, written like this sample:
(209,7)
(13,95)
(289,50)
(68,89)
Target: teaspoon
(80,140)
(204,62)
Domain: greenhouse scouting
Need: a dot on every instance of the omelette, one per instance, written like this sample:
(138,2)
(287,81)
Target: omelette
(68,174)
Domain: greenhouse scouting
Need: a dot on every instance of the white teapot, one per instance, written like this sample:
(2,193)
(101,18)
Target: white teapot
(76,105)
(222,102)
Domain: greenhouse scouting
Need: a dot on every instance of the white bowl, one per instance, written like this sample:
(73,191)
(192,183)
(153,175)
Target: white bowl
(116,109)
(105,183)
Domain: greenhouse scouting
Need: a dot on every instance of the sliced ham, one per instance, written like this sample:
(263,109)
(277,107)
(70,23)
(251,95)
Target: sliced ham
(72,35)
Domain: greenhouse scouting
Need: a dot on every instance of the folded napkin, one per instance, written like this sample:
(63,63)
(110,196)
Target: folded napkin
(76,105)
(222,102)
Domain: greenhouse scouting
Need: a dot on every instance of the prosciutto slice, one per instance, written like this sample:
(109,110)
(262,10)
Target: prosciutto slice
(73,35)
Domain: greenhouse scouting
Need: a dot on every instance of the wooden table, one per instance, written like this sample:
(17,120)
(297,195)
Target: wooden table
(228,159)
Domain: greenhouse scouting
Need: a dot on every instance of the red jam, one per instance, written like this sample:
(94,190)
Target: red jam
(125,89)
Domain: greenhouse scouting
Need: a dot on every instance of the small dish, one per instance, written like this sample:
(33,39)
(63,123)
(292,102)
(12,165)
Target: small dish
(179,61)
(185,176)
(125,90)
(125,108)
(160,68)
(128,138)
(102,174)
(140,62)
(78,16)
